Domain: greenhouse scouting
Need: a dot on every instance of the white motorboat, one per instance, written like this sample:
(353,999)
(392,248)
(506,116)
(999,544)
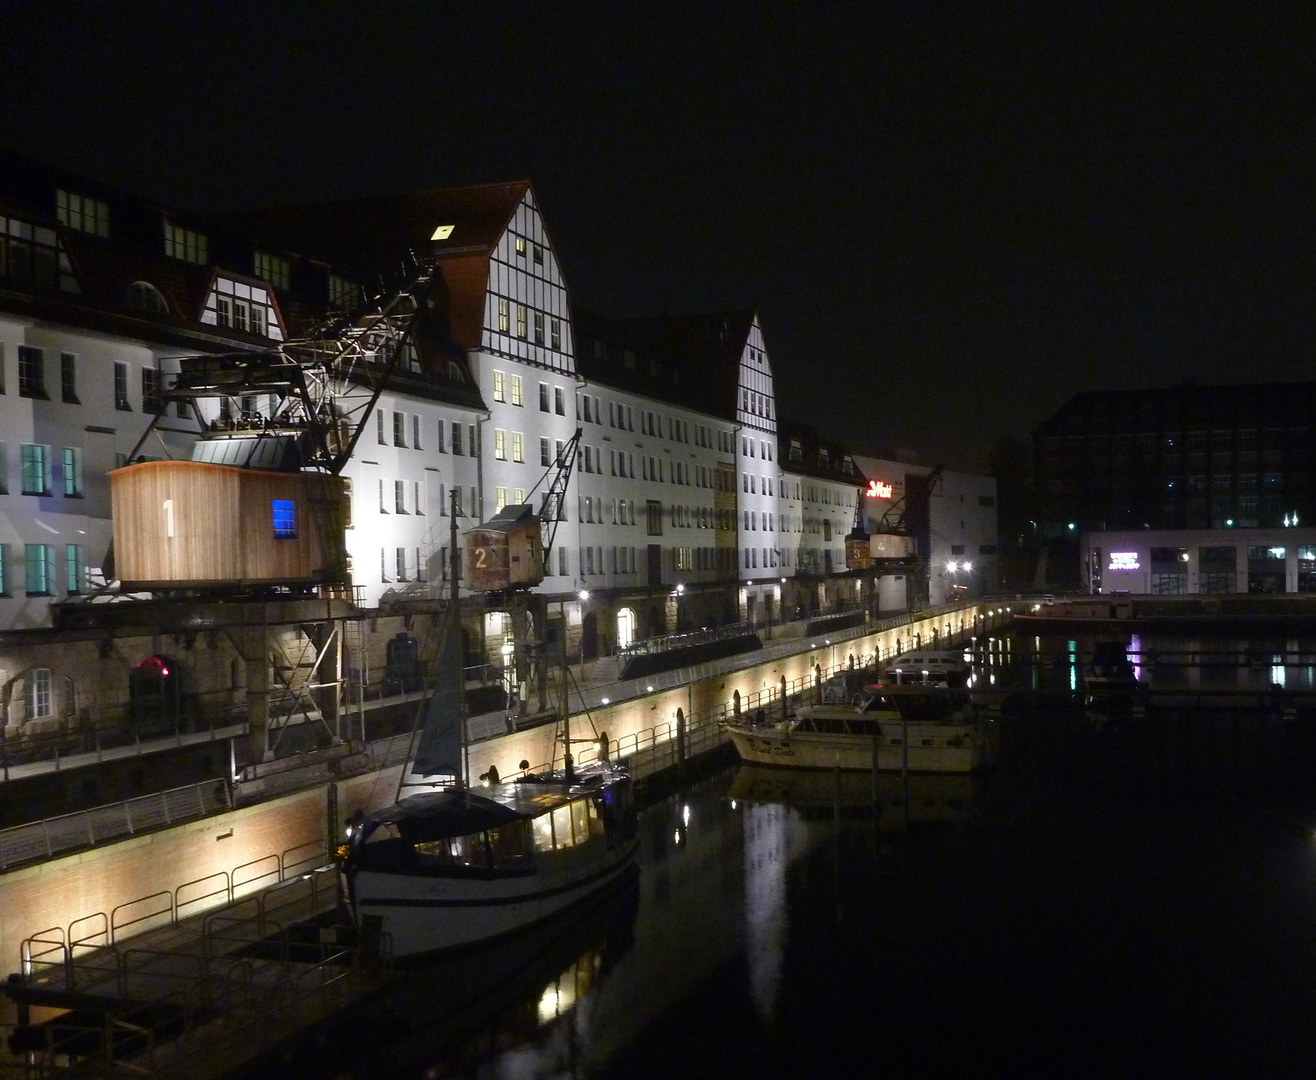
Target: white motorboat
(453,866)
(942,667)
(910,728)
(457,867)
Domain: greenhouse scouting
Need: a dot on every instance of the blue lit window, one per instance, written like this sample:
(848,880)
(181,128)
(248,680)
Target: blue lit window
(285,525)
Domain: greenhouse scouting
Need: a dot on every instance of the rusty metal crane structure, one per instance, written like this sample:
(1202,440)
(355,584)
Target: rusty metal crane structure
(323,386)
(259,510)
(260,503)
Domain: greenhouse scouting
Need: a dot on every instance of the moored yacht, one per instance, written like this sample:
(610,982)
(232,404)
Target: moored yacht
(912,728)
(456,867)
(942,667)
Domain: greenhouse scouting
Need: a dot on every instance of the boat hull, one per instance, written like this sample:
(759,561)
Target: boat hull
(426,915)
(945,748)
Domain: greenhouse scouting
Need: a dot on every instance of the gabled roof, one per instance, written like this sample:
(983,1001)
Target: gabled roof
(365,239)
(369,236)
(695,358)
(811,446)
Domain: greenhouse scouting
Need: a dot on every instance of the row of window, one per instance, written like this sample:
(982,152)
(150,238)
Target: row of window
(39,570)
(32,380)
(405,430)
(400,429)
(404,564)
(749,449)
(756,404)
(525,320)
(36,468)
(408,497)
(31,257)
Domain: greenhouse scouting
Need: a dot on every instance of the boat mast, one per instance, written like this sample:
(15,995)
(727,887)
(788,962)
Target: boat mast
(564,705)
(454,627)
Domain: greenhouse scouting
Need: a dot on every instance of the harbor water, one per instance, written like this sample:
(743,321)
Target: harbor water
(1088,908)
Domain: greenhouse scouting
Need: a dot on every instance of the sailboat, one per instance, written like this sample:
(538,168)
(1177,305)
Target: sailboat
(455,867)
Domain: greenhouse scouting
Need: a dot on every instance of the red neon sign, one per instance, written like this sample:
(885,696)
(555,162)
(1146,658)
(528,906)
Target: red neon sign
(878,490)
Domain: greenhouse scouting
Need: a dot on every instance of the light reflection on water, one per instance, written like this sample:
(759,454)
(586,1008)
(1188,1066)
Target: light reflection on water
(772,905)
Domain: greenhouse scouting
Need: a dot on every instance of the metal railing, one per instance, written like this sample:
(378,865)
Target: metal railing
(86,828)
(301,867)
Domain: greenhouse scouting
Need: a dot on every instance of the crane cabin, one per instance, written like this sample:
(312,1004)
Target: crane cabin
(196,524)
(507,551)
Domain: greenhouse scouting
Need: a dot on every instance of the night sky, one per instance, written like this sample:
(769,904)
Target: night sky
(949,217)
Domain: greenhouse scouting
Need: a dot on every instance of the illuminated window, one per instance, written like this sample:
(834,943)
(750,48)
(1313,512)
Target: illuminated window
(35,468)
(518,446)
(504,316)
(516,389)
(82,213)
(520,246)
(40,569)
(500,444)
(275,270)
(72,472)
(185,244)
(37,697)
(285,523)
(521,320)
(343,294)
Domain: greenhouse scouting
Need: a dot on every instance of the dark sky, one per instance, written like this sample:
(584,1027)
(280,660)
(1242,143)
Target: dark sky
(950,217)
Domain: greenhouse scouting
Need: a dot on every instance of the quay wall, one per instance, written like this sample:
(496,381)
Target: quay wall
(634,718)
(249,841)
(244,844)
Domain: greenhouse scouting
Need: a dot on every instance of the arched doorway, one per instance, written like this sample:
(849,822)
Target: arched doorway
(155,695)
(402,673)
(625,627)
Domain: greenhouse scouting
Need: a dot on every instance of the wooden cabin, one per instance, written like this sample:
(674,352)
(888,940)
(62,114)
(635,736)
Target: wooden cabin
(506,552)
(189,524)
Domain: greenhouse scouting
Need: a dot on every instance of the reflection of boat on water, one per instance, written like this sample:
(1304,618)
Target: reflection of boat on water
(433,1019)
(1109,669)
(922,797)
(909,728)
(1110,683)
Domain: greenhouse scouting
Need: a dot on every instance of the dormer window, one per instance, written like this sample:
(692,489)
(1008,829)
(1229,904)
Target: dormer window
(185,244)
(246,308)
(82,213)
(143,296)
(273,269)
(32,256)
(343,294)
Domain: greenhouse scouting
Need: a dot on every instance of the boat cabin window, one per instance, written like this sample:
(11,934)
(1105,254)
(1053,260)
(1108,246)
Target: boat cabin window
(486,850)
(566,826)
